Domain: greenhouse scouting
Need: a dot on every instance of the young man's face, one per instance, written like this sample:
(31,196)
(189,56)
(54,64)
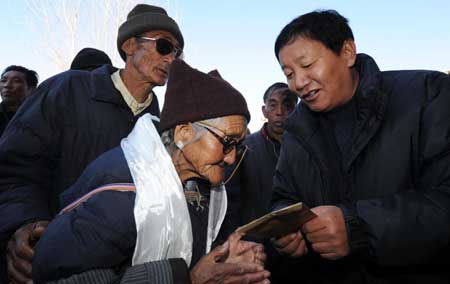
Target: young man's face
(14,88)
(277,108)
(322,79)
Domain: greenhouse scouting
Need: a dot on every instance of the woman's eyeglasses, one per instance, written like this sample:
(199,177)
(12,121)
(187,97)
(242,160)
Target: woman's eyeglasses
(228,143)
(163,46)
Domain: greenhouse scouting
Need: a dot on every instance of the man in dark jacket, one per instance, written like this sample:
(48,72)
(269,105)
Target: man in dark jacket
(369,152)
(74,117)
(250,187)
(16,84)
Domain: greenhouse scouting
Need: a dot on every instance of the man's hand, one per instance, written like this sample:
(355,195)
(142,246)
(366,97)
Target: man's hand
(209,269)
(19,252)
(327,232)
(244,251)
(293,245)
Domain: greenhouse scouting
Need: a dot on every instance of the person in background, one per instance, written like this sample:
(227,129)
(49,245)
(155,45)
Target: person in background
(368,151)
(250,187)
(203,121)
(89,59)
(250,183)
(16,84)
(74,117)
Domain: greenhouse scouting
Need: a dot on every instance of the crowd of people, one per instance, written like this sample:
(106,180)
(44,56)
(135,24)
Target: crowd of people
(97,185)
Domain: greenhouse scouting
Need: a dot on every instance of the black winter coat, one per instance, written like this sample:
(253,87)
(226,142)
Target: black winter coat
(5,117)
(394,186)
(71,119)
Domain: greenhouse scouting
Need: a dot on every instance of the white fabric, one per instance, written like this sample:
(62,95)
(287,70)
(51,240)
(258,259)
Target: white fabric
(162,218)
(217,208)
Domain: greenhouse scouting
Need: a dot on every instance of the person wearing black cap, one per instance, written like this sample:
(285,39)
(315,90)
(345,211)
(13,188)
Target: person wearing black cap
(89,59)
(202,122)
(74,117)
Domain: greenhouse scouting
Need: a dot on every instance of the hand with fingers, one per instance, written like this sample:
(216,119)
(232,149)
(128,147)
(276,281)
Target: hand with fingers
(293,245)
(245,251)
(328,233)
(19,251)
(210,269)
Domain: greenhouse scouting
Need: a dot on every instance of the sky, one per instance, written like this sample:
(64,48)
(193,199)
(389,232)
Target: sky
(237,37)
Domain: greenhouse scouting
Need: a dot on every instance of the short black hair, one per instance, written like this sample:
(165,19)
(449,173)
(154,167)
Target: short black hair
(31,76)
(326,26)
(277,86)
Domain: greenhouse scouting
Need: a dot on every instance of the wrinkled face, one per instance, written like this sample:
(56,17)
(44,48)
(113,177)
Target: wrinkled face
(151,66)
(14,88)
(206,155)
(322,79)
(277,109)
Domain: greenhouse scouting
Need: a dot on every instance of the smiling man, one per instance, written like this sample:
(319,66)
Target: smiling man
(74,117)
(16,84)
(369,152)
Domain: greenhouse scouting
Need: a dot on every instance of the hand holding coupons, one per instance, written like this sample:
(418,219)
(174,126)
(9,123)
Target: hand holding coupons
(278,223)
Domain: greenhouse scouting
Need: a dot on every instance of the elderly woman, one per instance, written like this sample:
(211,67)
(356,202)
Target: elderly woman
(150,209)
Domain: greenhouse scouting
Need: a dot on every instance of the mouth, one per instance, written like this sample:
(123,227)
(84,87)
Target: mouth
(310,96)
(278,124)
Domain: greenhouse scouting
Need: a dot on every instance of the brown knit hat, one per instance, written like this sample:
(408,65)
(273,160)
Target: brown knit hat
(144,18)
(192,96)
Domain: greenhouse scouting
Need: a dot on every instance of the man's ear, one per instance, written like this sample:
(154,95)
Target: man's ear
(263,109)
(183,133)
(348,52)
(129,46)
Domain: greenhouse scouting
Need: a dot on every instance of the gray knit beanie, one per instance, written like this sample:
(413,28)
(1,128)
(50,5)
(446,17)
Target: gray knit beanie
(144,18)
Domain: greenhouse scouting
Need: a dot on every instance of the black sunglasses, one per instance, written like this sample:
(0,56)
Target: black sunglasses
(227,143)
(163,46)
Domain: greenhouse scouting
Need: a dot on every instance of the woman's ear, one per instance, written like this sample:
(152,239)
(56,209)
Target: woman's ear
(348,52)
(183,134)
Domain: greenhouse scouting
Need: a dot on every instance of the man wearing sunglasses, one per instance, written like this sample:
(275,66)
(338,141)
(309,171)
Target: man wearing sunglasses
(74,117)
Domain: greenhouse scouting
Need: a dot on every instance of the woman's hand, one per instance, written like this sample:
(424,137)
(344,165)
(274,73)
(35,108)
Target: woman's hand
(244,251)
(212,270)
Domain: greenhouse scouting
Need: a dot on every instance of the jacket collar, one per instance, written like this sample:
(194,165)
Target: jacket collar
(102,77)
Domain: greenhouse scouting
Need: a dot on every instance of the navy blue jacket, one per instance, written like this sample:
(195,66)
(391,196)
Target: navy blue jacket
(101,232)
(394,184)
(71,119)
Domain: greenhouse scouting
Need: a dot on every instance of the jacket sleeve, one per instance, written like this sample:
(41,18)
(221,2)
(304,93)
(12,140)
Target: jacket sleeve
(171,271)
(27,155)
(99,233)
(412,226)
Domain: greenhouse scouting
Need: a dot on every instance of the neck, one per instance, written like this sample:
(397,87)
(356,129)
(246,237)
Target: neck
(139,89)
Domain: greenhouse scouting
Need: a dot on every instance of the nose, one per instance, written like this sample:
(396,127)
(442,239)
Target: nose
(279,110)
(230,158)
(301,81)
